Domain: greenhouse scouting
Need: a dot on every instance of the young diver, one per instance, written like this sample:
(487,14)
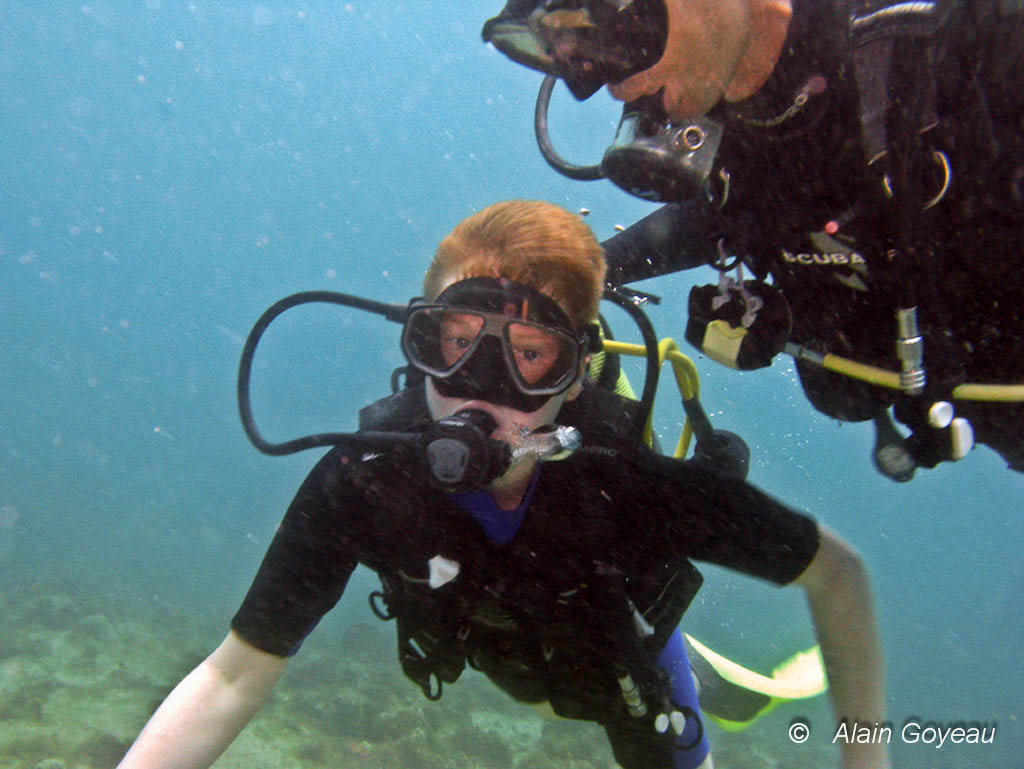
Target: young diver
(551,577)
(865,155)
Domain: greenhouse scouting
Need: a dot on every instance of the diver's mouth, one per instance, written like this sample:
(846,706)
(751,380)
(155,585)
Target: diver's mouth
(506,428)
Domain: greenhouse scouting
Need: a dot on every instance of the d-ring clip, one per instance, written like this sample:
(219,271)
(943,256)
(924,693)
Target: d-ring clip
(947,176)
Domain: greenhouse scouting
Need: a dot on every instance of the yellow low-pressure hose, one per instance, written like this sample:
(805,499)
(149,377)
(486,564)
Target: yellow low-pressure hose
(687,380)
(969,391)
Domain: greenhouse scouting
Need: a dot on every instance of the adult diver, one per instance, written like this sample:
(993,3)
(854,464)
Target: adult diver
(517,529)
(854,171)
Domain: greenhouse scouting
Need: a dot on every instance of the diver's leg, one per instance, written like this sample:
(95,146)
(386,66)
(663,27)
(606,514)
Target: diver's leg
(692,750)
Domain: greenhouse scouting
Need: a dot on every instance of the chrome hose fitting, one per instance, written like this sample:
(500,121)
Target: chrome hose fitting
(910,351)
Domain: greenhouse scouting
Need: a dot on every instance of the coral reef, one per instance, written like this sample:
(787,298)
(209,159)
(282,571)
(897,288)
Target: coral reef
(80,672)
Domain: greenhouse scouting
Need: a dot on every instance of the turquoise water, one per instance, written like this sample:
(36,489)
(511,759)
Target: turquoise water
(168,170)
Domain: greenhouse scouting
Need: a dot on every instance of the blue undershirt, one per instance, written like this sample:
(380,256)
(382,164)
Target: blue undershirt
(499,525)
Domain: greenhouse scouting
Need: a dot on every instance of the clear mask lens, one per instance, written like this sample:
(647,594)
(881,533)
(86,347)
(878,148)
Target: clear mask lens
(440,341)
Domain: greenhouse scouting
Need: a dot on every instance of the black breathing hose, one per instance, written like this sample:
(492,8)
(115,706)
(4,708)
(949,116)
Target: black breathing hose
(630,305)
(540,127)
(393,312)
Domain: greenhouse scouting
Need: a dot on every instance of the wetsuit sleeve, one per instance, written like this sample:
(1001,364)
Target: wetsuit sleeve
(306,567)
(731,523)
(675,237)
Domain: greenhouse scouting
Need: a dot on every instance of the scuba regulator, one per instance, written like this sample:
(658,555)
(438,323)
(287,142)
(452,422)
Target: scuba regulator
(650,157)
(457,451)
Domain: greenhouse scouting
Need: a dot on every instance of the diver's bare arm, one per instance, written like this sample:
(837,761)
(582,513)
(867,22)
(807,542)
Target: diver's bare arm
(839,595)
(206,711)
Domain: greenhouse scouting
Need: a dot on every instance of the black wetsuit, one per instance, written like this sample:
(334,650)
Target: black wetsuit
(537,614)
(797,170)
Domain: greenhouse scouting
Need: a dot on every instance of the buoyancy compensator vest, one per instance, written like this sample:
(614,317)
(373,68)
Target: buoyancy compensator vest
(629,618)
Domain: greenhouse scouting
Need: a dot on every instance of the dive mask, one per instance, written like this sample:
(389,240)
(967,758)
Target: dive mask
(493,340)
(586,43)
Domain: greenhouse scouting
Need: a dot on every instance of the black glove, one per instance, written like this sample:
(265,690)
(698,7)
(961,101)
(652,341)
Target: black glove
(741,325)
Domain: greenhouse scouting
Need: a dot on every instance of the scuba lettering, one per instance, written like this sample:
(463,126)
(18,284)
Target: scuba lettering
(833,258)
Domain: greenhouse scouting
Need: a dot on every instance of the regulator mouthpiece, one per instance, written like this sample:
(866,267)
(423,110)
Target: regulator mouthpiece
(549,443)
(460,453)
(659,161)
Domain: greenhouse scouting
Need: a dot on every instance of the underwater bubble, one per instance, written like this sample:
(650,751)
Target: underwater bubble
(262,16)
(9,516)
(102,49)
(79,106)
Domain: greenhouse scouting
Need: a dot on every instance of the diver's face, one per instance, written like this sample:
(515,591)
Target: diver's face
(533,351)
(707,40)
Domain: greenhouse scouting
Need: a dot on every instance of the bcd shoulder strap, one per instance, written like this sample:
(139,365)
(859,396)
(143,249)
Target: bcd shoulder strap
(892,49)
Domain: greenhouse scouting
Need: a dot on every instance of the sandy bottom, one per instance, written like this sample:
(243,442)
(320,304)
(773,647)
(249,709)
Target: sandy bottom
(80,673)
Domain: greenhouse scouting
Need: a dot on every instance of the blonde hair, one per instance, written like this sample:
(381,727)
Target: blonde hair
(533,243)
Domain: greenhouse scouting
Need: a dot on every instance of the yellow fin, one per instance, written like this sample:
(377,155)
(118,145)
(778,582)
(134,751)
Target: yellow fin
(799,677)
